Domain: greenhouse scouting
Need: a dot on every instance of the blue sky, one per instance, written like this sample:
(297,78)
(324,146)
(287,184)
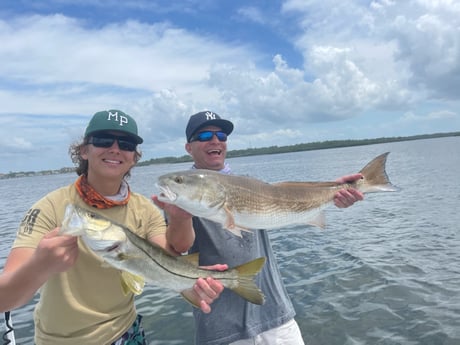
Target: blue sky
(285,72)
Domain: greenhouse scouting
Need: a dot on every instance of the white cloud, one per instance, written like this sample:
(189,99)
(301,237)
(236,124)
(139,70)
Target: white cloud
(133,55)
(252,13)
(362,63)
(431,116)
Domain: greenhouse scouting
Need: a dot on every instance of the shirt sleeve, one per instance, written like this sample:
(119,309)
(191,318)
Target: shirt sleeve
(38,220)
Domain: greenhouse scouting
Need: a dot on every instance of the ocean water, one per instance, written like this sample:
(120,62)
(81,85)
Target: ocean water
(385,271)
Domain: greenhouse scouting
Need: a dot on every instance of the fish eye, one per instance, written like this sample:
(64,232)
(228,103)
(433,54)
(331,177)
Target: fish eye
(178,179)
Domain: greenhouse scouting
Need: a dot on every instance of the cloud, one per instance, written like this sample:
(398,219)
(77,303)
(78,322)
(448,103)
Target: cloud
(252,13)
(58,49)
(286,72)
(429,117)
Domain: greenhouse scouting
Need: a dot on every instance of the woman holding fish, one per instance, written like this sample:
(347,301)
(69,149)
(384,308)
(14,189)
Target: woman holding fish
(234,320)
(81,300)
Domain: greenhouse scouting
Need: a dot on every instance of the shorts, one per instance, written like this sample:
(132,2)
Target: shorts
(134,335)
(286,334)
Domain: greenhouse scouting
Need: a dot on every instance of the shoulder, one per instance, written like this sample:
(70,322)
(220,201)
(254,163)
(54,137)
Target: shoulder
(145,216)
(56,201)
(141,202)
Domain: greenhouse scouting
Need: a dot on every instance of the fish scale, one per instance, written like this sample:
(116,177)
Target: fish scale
(242,203)
(140,261)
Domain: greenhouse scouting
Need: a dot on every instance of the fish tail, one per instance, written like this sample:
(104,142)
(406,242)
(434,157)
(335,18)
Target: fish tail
(246,286)
(131,283)
(375,178)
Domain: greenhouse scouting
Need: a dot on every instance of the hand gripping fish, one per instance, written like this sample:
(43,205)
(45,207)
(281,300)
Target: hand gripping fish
(243,203)
(140,261)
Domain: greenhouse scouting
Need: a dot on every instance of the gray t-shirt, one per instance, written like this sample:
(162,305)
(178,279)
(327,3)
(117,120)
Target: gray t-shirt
(232,317)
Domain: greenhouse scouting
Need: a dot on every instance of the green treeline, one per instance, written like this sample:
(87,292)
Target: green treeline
(319,145)
(255,151)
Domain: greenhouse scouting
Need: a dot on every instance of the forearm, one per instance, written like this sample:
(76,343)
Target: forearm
(18,287)
(180,234)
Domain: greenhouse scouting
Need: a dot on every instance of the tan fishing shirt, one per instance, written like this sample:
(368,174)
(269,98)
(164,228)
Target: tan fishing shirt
(84,305)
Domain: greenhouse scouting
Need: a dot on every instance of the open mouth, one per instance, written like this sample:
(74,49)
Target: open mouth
(215,152)
(166,193)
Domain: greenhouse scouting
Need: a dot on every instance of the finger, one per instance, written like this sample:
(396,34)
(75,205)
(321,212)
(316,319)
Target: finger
(205,308)
(350,178)
(201,297)
(356,194)
(205,290)
(342,198)
(157,202)
(215,285)
(216,267)
(205,293)
(56,232)
(52,233)
(339,203)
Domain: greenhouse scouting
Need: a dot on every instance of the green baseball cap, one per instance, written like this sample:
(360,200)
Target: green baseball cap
(113,120)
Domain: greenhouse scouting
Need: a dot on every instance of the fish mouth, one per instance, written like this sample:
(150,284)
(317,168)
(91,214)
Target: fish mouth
(167,193)
(113,247)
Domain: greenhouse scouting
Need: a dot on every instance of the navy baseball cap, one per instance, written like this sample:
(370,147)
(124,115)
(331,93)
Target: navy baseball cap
(204,119)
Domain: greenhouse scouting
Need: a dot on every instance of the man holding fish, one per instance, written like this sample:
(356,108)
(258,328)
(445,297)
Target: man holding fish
(234,320)
(83,300)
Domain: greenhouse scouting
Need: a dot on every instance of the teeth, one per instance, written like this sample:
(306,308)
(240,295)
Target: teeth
(215,151)
(110,161)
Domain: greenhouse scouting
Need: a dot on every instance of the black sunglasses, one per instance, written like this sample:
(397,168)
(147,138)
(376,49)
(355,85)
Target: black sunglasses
(107,140)
(208,135)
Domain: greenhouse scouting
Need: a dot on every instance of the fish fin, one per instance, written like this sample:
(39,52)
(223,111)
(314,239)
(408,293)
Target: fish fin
(131,283)
(375,178)
(230,223)
(236,230)
(246,286)
(189,296)
(191,258)
(229,220)
(319,220)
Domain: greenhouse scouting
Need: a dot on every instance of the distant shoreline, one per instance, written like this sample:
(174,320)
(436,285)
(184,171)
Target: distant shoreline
(319,145)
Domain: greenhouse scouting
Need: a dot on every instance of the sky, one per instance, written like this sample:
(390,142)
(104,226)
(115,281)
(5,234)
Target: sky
(283,71)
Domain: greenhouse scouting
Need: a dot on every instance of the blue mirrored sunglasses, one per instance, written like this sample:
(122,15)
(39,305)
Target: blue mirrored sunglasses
(107,140)
(208,135)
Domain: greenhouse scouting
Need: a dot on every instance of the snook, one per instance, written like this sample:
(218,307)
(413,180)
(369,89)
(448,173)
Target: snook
(140,261)
(242,203)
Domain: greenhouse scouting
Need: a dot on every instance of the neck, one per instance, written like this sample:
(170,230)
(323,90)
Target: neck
(105,186)
(222,168)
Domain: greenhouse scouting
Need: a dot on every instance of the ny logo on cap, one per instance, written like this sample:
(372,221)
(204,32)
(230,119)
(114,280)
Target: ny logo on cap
(119,118)
(210,116)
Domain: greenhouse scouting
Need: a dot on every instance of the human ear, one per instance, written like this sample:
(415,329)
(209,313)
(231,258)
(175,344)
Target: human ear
(188,148)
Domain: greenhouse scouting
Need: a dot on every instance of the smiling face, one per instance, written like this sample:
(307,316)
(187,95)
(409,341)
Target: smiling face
(208,154)
(107,165)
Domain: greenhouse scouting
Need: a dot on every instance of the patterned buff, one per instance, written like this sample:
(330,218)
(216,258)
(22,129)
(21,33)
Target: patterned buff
(93,198)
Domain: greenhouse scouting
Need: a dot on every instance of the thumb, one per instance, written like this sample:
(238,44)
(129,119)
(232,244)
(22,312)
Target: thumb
(158,202)
(52,233)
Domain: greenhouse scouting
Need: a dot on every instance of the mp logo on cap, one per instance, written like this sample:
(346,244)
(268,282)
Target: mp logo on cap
(113,120)
(122,120)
